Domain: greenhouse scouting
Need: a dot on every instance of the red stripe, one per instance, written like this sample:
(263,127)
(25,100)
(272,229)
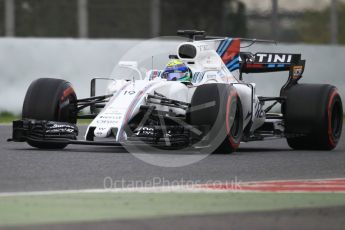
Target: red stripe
(254,66)
(232,51)
(296,183)
(337,185)
(294,189)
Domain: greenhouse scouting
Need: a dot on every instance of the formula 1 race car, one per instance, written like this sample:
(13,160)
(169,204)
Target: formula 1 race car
(215,110)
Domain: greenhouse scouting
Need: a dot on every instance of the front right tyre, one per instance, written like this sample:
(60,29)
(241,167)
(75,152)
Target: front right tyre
(50,100)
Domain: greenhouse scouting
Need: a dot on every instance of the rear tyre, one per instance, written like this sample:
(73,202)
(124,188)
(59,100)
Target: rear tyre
(314,117)
(218,109)
(51,100)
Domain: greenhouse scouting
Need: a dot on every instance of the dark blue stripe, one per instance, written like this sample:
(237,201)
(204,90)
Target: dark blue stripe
(227,44)
(220,47)
(235,60)
(235,67)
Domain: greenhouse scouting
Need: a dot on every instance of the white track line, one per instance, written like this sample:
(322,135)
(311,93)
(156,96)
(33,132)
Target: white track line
(163,189)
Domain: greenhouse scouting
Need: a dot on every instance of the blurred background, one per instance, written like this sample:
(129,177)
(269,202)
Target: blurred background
(80,39)
(307,21)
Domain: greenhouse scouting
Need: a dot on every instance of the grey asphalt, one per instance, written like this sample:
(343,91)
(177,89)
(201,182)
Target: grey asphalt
(23,168)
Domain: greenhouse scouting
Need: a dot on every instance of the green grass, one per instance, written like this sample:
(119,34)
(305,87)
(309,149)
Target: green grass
(84,122)
(24,210)
(8,117)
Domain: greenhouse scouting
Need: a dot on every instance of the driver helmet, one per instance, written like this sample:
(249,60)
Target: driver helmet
(176,70)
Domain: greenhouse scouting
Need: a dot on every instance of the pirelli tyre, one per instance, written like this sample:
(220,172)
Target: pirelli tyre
(216,109)
(50,100)
(313,117)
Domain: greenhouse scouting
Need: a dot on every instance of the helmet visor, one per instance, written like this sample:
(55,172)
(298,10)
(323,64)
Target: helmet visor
(174,76)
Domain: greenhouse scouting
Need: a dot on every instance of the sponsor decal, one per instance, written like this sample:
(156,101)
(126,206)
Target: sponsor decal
(110,122)
(131,92)
(111,117)
(297,71)
(60,131)
(259,110)
(58,128)
(273,58)
(203,47)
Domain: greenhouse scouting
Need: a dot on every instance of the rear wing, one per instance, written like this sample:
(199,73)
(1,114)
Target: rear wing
(274,62)
(229,50)
(269,62)
(244,62)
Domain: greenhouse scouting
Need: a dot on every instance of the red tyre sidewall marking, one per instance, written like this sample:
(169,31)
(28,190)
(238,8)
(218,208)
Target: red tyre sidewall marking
(228,128)
(331,141)
(66,93)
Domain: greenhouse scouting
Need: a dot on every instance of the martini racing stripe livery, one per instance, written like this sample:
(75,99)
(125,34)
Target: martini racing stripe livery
(229,51)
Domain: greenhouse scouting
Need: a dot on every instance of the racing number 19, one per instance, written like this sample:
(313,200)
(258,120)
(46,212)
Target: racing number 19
(129,92)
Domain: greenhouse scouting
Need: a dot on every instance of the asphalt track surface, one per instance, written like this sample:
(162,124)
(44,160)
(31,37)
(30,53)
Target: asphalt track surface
(23,168)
